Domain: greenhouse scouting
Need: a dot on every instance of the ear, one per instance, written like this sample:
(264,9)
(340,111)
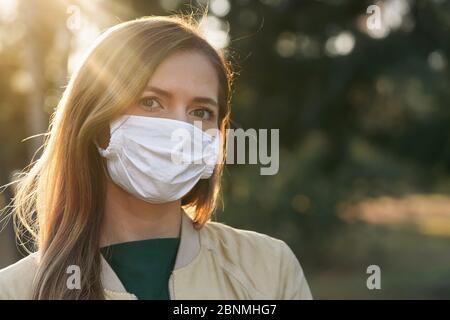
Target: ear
(103,137)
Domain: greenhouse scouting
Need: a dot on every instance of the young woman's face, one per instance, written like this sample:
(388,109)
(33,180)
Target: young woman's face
(184,87)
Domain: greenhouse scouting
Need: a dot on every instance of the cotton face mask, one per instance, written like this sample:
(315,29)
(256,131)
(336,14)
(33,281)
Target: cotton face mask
(157,159)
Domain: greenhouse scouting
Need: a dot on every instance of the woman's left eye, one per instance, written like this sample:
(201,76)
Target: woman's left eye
(203,113)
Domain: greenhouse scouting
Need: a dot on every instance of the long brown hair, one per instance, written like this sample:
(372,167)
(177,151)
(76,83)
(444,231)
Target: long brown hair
(60,199)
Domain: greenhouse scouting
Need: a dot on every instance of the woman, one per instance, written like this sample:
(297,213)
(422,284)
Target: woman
(114,214)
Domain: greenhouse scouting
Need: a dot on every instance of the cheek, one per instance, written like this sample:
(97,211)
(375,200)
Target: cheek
(206,125)
(134,109)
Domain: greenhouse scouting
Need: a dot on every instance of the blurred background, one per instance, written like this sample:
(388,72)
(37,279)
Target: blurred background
(359,91)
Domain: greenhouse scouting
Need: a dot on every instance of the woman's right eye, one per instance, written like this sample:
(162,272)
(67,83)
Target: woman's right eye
(150,103)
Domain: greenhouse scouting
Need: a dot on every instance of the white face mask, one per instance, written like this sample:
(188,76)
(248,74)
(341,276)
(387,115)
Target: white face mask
(158,159)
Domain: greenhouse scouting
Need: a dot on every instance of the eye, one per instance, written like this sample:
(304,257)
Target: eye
(150,103)
(202,113)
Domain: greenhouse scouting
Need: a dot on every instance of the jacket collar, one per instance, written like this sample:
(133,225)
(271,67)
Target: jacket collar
(188,249)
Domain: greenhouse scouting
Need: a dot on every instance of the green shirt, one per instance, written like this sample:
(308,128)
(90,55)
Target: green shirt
(144,266)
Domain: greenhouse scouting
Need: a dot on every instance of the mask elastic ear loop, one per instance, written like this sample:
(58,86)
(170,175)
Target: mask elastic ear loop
(103,152)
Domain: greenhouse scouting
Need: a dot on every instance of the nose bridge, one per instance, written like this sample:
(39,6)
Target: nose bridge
(179,112)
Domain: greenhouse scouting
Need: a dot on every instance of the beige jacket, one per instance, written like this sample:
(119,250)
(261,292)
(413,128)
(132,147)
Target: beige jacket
(215,262)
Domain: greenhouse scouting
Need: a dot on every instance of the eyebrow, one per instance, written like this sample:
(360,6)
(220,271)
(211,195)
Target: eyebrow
(206,100)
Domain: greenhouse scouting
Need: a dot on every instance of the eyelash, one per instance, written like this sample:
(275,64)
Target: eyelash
(211,112)
(149,98)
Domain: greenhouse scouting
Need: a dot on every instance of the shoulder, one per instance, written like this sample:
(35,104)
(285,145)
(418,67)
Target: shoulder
(219,234)
(16,280)
(259,258)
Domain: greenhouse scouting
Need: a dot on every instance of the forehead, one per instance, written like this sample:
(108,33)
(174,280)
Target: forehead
(186,72)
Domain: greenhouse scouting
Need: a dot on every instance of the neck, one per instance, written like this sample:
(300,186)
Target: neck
(127,218)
